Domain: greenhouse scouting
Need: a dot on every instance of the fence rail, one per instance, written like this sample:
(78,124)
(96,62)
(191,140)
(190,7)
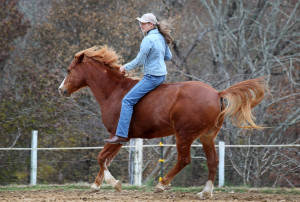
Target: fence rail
(136,147)
(156,145)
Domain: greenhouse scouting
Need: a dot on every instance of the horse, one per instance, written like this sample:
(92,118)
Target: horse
(188,110)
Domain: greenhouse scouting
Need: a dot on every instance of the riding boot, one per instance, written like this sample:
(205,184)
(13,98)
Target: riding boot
(117,140)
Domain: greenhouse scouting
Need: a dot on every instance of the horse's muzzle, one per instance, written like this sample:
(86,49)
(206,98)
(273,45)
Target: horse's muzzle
(63,92)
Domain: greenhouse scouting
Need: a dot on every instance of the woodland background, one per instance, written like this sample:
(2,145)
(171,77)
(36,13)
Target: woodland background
(217,42)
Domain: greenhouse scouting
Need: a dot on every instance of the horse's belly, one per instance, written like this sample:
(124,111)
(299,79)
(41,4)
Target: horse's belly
(149,133)
(150,126)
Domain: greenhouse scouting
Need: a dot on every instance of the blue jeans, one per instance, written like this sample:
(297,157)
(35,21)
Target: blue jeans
(148,83)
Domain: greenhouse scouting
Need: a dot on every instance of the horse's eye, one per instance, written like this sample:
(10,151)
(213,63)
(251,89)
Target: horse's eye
(69,71)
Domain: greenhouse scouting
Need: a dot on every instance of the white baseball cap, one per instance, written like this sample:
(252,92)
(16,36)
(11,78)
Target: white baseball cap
(148,17)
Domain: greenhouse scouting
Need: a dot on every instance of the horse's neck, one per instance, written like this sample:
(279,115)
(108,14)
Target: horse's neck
(105,83)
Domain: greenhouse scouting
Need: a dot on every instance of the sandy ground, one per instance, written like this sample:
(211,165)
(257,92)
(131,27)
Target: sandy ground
(133,196)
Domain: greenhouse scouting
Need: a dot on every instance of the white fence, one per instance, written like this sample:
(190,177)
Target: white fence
(136,146)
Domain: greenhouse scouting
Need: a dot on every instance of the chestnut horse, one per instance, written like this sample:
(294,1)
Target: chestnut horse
(188,110)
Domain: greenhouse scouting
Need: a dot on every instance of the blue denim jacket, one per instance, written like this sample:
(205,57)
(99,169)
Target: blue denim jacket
(154,50)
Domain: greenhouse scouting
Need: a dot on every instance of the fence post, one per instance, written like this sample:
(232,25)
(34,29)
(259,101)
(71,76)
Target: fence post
(33,173)
(161,160)
(221,163)
(136,161)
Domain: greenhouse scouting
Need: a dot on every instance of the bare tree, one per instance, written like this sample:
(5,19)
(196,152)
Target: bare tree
(254,39)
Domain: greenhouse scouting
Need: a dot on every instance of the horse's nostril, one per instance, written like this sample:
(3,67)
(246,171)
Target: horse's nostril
(65,93)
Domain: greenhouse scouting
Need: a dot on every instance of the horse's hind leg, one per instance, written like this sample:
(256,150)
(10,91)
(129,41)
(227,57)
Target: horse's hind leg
(183,144)
(208,143)
(104,158)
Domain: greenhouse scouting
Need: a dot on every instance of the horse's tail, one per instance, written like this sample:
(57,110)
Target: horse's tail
(241,99)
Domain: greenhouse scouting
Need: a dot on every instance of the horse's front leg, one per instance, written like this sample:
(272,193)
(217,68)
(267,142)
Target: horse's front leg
(104,158)
(98,181)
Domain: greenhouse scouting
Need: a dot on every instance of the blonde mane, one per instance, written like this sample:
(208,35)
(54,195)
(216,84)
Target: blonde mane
(104,54)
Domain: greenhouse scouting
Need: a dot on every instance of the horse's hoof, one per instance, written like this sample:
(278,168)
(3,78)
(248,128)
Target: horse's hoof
(94,188)
(204,195)
(118,186)
(159,188)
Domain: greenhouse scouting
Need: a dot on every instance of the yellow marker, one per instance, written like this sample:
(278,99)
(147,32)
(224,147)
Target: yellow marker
(161,160)
(161,144)
(160,179)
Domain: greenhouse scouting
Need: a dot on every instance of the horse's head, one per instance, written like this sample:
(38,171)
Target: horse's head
(74,79)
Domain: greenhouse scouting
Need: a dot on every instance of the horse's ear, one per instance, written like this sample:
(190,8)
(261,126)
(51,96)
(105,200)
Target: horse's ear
(79,58)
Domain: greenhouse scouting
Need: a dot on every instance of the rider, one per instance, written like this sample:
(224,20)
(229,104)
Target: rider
(154,51)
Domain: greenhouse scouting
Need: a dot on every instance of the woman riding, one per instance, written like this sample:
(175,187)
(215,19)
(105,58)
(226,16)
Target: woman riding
(154,51)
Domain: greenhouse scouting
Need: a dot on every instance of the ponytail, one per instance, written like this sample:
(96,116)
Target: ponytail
(165,27)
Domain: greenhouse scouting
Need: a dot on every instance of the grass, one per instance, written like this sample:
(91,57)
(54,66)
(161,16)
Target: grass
(68,187)
(42,187)
(86,186)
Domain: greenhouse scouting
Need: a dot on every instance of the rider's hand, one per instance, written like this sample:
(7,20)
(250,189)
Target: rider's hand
(122,69)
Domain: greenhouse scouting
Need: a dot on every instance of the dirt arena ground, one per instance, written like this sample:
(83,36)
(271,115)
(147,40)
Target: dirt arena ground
(134,196)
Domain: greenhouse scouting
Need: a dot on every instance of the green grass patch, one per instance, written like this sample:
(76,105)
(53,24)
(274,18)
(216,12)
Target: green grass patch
(70,187)
(86,186)
(295,191)
(43,187)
